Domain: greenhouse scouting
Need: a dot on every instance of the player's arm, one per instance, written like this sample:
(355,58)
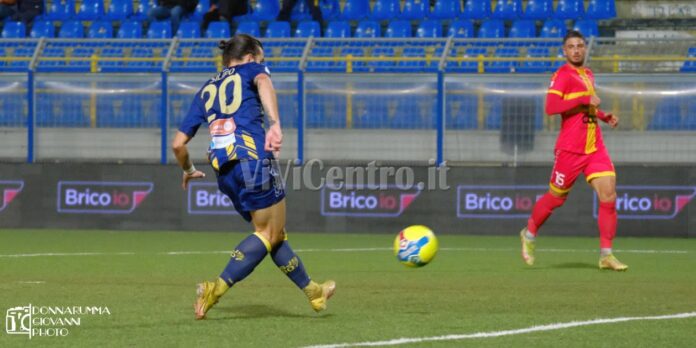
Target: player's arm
(274,135)
(555,97)
(608,118)
(186,132)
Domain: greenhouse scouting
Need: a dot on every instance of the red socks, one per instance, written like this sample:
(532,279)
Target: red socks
(542,210)
(607,224)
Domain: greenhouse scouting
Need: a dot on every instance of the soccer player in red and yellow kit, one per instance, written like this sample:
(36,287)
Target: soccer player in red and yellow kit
(579,149)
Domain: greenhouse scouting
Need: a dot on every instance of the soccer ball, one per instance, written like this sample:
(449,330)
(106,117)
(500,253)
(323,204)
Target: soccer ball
(415,246)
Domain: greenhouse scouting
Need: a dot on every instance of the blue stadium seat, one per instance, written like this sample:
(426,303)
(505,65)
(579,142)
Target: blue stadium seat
(535,66)
(475,9)
(13,30)
(429,28)
(569,9)
(507,9)
(42,29)
(265,10)
(20,65)
(160,30)
(196,66)
(472,66)
(601,9)
(461,111)
(667,115)
(337,29)
(416,9)
(189,30)
(51,65)
(689,120)
(81,65)
(322,111)
(522,28)
(323,66)
(446,9)
(249,27)
(300,12)
(330,9)
(142,66)
(90,10)
(587,27)
(60,10)
(386,9)
(71,30)
(100,30)
(461,29)
(385,65)
(368,29)
(538,9)
(278,30)
(140,12)
(55,110)
(690,66)
(553,28)
(415,112)
(372,111)
(355,9)
(412,66)
(449,64)
(399,28)
(356,66)
(493,115)
(201,9)
(492,29)
(289,66)
(130,30)
(111,66)
(307,29)
(218,30)
(502,66)
(119,10)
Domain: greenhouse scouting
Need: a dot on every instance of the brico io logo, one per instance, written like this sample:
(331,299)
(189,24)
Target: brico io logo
(9,189)
(650,202)
(360,201)
(96,197)
(204,198)
(498,202)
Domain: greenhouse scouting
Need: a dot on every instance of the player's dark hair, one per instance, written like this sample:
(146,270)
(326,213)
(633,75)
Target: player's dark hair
(239,46)
(571,34)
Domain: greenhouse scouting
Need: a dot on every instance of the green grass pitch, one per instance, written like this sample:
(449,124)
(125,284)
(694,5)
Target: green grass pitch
(475,284)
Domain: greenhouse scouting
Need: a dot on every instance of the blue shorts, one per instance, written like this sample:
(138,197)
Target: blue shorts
(251,185)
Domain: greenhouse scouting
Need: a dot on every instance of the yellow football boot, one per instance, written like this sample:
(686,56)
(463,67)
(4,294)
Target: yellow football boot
(319,294)
(527,248)
(209,294)
(612,263)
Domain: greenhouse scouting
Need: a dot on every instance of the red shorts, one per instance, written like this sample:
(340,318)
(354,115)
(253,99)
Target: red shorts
(569,165)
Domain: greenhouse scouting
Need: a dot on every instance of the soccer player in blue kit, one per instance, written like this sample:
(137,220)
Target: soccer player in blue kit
(232,103)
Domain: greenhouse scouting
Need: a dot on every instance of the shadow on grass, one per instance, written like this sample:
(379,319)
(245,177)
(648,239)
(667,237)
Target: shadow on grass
(575,265)
(261,311)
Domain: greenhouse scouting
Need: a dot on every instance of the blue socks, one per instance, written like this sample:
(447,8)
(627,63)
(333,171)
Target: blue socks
(288,262)
(249,253)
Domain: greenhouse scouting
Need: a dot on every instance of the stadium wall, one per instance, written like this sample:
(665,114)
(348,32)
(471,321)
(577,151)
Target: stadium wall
(653,201)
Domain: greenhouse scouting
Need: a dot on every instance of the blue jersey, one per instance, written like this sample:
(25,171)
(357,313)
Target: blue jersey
(230,104)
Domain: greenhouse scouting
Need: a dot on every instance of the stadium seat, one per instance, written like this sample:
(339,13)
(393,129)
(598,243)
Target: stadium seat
(100,30)
(289,66)
(113,65)
(372,111)
(667,115)
(384,65)
(189,30)
(385,9)
(471,66)
(399,29)
(690,66)
(140,12)
(13,30)
(356,66)
(355,10)
(60,10)
(42,29)
(322,66)
(337,29)
(491,29)
(507,9)
(415,9)
(249,27)
(51,65)
(476,9)
(307,29)
(20,65)
(71,30)
(196,66)
(502,66)
(535,66)
(300,12)
(119,10)
(569,9)
(330,9)
(433,66)
(429,29)
(81,65)
(461,111)
(601,9)
(446,9)
(130,30)
(412,65)
(265,10)
(201,9)
(587,27)
(142,66)
(218,30)
(368,29)
(160,30)
(689,120)
(461,29)
(90,10)
(278,30)
(553,28)
(538,9)
(522,28)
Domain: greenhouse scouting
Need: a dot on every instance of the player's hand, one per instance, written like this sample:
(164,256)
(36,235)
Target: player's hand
(188,177)
(612,120)
(274,138)
(595,101)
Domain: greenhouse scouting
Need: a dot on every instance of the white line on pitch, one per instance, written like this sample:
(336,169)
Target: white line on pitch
(539,328)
